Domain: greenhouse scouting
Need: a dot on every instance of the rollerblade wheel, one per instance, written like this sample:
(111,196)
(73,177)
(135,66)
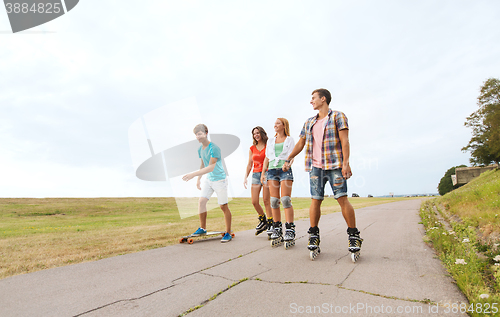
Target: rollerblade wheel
(354,256)
(314,253)
(276,242)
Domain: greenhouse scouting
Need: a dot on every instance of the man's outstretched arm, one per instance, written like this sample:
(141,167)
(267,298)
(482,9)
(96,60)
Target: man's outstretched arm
(202,171)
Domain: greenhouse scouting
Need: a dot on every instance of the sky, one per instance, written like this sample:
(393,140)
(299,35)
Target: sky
(76,91)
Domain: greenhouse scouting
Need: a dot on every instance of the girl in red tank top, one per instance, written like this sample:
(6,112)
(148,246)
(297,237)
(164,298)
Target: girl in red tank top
(256,157)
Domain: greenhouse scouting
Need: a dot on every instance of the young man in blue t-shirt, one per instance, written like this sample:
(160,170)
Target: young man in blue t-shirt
(211,164)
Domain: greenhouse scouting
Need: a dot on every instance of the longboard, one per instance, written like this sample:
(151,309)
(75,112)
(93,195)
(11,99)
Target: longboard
(207,236)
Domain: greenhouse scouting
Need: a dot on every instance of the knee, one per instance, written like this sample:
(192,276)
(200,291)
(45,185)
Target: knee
(267,203)
(275,202)
(255,202)
(202,202)
(287,201)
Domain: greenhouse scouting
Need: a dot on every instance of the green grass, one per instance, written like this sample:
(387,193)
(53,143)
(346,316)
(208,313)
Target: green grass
(37,234)
(464,228)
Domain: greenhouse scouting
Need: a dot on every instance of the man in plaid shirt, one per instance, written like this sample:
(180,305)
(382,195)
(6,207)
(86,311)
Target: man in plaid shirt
(326,138)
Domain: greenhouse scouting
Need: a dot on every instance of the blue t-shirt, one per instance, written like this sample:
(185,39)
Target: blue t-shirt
(206,154)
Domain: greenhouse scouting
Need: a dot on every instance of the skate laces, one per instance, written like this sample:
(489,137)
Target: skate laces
(277,229)
(355,240)
(313,239)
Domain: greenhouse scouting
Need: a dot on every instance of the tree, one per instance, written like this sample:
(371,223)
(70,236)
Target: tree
(485,123)
(445,184)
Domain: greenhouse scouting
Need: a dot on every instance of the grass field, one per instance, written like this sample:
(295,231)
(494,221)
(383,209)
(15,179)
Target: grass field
(464,228)
(37,234)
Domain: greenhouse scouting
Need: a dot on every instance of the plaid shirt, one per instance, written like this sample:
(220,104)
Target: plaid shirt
(331,157)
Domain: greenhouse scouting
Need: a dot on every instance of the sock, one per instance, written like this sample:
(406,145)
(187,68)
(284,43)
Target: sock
(352,231)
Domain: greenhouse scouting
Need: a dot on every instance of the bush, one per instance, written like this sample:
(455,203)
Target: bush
(445,184)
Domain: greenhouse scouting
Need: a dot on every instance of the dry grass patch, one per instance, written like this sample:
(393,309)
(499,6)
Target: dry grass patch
(37,234)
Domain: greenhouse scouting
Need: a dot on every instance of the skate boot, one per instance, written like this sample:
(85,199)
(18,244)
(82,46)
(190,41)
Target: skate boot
(354,243)
(289,237)
(313,245)
(277,235)
(262,226)
(270,228)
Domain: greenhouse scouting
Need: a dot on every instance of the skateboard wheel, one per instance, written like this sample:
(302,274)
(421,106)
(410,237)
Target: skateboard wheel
(232,235)
(190,241)
(181,240)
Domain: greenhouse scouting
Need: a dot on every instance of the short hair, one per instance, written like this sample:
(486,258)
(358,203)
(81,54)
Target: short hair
(287,126)
(200,127)
(263,135)
(322,92)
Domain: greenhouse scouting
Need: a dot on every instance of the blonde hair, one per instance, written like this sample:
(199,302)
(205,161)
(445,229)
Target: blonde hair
(200,127)
(287,126)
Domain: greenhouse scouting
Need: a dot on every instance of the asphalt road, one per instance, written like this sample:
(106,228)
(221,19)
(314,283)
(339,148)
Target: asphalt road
(397,275)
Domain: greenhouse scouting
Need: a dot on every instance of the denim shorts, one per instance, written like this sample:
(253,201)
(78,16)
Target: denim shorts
(318,178)
(277,174)
(256,178)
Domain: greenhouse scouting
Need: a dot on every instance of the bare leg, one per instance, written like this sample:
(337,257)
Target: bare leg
(315,212)
(274,189)
(227,216)
(255,198)
(347,211)
(266,196)
(286,190)
(202,209)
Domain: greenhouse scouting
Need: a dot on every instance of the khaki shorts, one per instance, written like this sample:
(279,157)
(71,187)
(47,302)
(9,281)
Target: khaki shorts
(219,187)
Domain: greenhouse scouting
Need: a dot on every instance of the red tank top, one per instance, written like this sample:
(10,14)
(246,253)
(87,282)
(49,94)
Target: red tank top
(258,158)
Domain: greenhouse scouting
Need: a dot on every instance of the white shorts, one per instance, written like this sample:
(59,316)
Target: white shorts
(219,187)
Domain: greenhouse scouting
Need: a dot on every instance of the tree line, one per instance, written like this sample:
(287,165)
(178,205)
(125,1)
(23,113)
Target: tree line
(484,146)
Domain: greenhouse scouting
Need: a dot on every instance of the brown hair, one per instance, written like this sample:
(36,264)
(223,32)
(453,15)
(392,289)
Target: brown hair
(263,135)
(200,127)
(323,93)
(287,126)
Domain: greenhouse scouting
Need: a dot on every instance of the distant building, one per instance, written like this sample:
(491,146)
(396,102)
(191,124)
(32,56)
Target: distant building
(463,175)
